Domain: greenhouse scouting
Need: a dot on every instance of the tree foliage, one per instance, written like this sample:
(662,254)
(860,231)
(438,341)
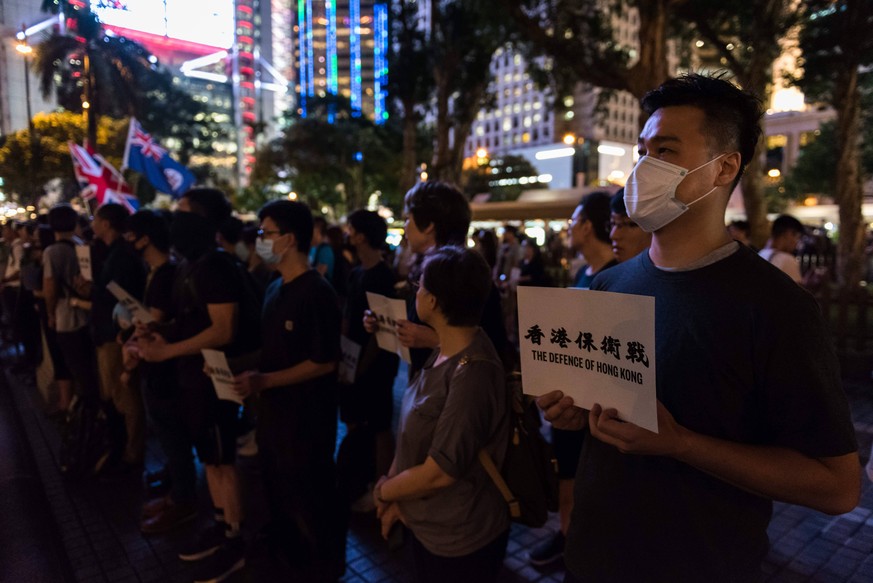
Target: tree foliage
(462,40)
(53,130)
(410,83)
(747,37)
(579,40)
(337,163)
(837,60)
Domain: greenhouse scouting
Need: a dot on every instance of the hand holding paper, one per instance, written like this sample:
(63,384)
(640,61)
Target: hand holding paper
(388,312)
(138,312)
(629,438)
(560,411)
(248,383)
(416,335)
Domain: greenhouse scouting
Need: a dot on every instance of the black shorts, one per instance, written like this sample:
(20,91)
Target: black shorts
(212,423)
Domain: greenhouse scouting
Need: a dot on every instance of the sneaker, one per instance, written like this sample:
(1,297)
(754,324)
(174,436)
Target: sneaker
(154,507)
(547,551)
(207,542)
(170,517)
(224,562)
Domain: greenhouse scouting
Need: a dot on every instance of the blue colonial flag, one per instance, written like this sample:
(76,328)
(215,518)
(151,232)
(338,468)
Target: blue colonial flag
(144,155)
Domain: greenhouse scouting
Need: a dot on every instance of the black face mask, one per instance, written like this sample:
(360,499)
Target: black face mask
(191,234)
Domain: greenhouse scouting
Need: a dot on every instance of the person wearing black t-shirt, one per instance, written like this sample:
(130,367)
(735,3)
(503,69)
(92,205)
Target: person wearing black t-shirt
(296,386)
(149,235)
(366,405)
(208,303)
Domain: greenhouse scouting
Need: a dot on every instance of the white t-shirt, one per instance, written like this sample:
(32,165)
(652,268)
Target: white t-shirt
(784,261)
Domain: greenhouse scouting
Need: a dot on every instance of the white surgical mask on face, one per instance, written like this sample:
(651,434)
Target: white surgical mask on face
(264,249)
(650,192)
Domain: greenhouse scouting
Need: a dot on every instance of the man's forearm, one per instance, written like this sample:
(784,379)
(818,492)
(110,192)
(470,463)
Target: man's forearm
(830,485)
(298,373)
(212,337)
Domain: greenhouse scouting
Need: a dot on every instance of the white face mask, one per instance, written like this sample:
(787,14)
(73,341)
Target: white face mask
(241,251)
(650,192)
(264,249)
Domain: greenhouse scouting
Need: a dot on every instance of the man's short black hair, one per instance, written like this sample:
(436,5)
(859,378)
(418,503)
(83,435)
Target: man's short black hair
(114,214)
(210,203)
(616,203)
(147,223)
(370,225)
(231,230)
(62,218)
(460,279)
(595,208)
(732,117)
(443,206)
(290,217)
(786,224)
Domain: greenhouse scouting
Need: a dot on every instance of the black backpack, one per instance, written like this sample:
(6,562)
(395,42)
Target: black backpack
(528,479)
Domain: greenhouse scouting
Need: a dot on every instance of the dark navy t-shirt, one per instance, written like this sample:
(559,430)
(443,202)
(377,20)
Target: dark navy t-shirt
(742,355)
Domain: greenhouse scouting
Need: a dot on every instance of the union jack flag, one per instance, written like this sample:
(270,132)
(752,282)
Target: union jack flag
(100,180)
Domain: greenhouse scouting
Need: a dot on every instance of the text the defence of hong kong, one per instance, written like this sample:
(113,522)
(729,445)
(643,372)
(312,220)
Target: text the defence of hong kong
(596,347)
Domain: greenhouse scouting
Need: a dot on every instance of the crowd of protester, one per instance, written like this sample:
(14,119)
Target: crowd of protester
(280,297)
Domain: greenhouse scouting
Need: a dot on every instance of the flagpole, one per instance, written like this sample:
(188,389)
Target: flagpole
(130,129)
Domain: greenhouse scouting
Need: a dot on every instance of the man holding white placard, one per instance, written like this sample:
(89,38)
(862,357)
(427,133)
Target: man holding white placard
(750,407)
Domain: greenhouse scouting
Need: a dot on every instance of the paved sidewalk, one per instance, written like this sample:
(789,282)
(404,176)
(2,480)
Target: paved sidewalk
(98,521)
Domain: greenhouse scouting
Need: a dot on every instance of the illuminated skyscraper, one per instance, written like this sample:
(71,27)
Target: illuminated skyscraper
(341,48)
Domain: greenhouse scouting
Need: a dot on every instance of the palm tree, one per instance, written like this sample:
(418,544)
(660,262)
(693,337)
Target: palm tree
(94,72)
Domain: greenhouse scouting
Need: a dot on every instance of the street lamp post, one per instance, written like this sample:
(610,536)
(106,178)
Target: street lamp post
(25,49)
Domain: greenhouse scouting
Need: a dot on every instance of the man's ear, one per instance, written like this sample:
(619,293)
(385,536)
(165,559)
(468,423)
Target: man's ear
(729,167)
(292,240)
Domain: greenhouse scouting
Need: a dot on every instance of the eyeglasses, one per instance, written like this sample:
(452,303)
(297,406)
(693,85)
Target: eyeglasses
(577,221)
(621,224)
(262,232)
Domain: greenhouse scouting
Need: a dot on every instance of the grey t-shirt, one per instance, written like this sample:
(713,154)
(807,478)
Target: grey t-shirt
(450,412)
(59,262)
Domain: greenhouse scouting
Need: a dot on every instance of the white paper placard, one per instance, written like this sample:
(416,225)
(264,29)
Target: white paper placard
(83,254)
(138,312)
(597,347)
(222,378)
(388,311)
(348,365)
